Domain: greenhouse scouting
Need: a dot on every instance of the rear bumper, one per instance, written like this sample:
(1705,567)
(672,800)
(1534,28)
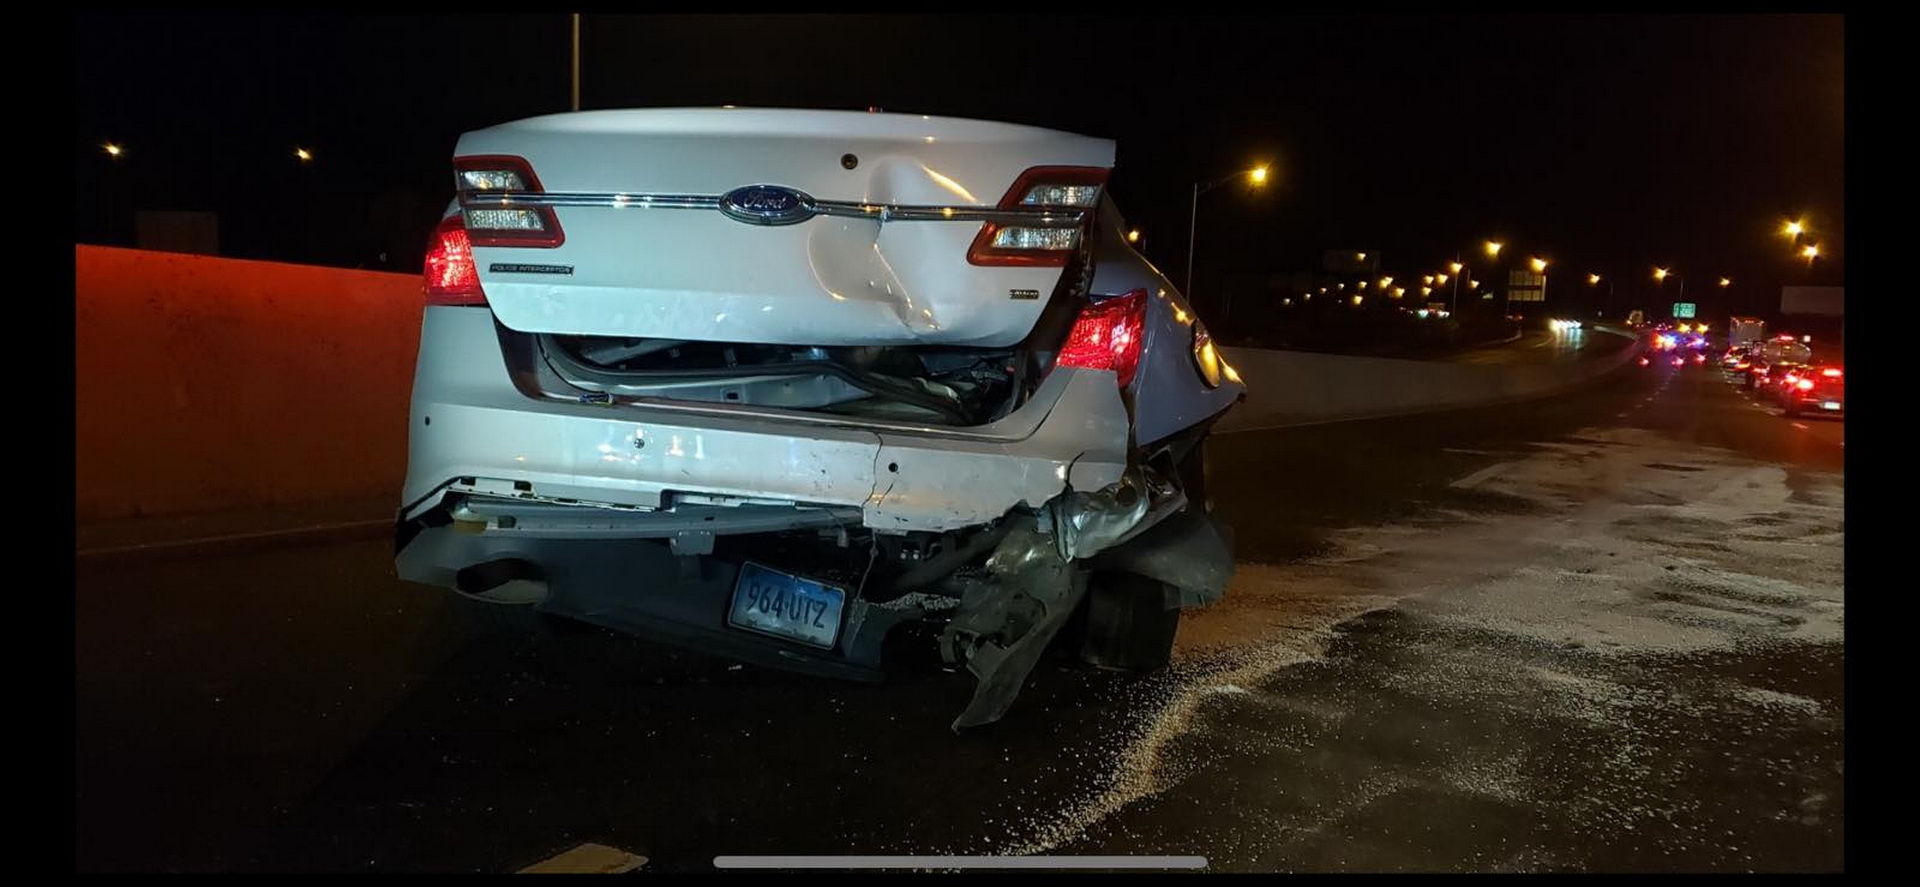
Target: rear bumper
(476,428)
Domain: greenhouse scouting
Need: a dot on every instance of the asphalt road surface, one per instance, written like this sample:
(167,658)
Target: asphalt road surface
(1602,631)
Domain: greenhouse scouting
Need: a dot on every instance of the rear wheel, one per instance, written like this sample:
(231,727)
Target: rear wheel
(1130,620)
(1130,625)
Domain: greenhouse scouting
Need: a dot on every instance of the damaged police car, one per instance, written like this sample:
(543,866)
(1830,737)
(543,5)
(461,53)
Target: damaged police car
(772,383)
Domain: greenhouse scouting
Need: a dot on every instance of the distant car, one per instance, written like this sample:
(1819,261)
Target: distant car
(1812,388)
(1765,378)
(1738,361)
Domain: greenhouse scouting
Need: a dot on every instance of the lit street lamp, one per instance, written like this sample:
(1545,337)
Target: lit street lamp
(1493,249)
(1811,251)
(113,150)
(1594,280)
(1133,237)
(1256,175)
(304,155)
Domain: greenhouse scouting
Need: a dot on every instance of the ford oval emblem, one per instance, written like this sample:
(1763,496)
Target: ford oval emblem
(767,205)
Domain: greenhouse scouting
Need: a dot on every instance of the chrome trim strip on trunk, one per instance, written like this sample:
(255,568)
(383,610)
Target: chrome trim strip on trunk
(1064,217)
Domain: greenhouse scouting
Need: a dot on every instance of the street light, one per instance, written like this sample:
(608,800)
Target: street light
(1661,275)
(1594,280)
(1725,282)
(1539,265)
(1258,175)
(113,150)
(304,155)
(1811,251)
(1794,228)
(1493,249)
(1133,236)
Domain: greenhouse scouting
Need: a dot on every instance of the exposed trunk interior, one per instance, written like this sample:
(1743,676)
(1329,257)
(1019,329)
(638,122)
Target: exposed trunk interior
(942,384)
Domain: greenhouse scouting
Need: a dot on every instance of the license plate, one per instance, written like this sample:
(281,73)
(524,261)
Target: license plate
(786,606)
(1830,405)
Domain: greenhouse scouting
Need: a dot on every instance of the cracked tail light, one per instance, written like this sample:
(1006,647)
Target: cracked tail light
(452,277)
(1108,336)
(1050,238)
(487,185)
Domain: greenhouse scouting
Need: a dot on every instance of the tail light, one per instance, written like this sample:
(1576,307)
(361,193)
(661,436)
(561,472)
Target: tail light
(1699,358)
(1049,239)
(1678,362)
(452,278)
(1743,366)
(1830,373)
(487,185)
(1805,384)
(1107,336)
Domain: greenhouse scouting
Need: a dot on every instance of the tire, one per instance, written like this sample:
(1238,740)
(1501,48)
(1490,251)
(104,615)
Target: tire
(1129,625)
(1193,476)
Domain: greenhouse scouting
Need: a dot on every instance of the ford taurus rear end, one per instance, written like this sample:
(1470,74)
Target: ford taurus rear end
(773,383)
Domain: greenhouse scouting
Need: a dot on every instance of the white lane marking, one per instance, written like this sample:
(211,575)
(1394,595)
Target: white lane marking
(1800,426)
(587,859)
(1482,476)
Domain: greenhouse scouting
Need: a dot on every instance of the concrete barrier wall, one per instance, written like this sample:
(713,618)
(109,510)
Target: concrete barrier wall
(1298,387)
(205,383)
(208,384)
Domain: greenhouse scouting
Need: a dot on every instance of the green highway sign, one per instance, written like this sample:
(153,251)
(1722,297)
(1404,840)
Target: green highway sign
(1683,310)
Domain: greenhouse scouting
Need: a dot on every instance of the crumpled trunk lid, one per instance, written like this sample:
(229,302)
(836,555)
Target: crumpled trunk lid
(860,234)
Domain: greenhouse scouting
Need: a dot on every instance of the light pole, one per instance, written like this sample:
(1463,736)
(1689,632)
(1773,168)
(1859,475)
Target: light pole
(576,61)
(1453,304)
(1257,175)
(1594,280)
(1661,275)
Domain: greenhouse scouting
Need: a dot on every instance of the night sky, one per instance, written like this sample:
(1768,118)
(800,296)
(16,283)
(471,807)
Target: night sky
(1608,144)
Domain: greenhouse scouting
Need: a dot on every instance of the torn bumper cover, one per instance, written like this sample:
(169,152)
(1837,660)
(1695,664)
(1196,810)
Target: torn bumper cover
(1039,573)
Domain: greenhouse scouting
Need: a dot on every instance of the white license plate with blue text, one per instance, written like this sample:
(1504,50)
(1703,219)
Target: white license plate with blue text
(786,606)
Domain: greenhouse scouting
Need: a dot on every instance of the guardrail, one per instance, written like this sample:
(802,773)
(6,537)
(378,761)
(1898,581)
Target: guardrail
(1300,388)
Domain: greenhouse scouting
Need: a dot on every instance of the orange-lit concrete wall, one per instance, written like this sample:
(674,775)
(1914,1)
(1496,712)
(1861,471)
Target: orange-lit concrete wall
(206,383)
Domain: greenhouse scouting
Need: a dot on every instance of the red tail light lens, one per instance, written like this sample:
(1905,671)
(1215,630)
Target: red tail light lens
(1107,336)
(1830,373)
(486,185)
(452,278)
(1805,384)
(1049,240)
